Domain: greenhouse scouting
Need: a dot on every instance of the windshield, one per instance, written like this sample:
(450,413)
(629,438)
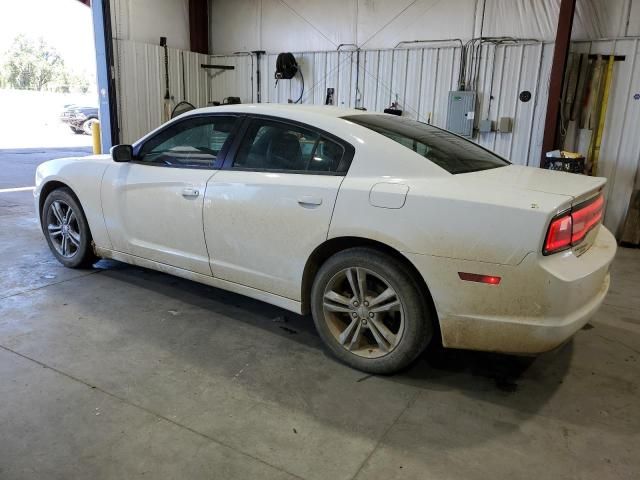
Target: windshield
(449,151)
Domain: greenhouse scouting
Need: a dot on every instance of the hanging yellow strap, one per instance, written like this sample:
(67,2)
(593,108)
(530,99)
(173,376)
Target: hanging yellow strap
(603,115)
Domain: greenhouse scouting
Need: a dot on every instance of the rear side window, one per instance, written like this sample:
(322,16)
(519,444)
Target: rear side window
(277,146)
(449,151)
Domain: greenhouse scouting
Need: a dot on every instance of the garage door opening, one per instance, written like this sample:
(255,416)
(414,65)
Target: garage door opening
(48,88)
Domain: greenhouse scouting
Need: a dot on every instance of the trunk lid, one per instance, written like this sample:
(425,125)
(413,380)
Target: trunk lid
(578,187)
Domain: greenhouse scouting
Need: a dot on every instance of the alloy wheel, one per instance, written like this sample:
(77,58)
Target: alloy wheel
(63,228)
(364,313)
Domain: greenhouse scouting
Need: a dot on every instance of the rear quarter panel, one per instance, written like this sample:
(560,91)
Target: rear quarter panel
(83,176)
(449,217)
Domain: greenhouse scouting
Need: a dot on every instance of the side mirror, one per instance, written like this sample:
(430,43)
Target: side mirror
(122,153)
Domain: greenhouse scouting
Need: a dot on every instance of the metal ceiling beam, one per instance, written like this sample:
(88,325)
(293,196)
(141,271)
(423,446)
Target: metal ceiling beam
(560,54)
(199,26)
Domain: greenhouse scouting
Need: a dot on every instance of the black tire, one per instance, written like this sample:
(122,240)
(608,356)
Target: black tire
(77,131)
(418,317)
(80,256)
(86,125)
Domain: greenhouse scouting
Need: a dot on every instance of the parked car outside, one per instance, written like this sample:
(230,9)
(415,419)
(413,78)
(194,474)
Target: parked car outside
(390,232)
(80,119)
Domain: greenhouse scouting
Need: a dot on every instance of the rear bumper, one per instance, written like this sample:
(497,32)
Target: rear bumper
(538,305)
(518,335)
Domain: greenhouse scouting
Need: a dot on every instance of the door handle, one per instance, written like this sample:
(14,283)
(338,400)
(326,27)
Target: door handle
(309,201)
(190,192)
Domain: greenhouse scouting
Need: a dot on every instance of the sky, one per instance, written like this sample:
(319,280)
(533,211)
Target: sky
(64,24)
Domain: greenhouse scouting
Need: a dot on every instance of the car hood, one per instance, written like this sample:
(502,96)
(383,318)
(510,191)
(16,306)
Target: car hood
(105,157)
(578,187)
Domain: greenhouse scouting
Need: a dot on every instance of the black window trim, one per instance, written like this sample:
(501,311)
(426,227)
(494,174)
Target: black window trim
(343,166)
(137,147)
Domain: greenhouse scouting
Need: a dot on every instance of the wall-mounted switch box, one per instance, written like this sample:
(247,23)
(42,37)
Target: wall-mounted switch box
(485,126)
(461,111)
(504,124)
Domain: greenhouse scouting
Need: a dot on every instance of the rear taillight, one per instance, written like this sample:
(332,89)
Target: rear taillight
(559,234)
(569,229)
(586,217)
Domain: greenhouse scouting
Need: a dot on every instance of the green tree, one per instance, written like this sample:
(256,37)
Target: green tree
(31,64)
(72,81)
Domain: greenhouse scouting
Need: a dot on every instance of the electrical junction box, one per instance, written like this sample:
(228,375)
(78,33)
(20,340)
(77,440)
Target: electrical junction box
(504,124)
(485,126)
(461,112)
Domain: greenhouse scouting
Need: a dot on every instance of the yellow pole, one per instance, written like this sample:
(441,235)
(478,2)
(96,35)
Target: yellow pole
(95,135)
(603,116)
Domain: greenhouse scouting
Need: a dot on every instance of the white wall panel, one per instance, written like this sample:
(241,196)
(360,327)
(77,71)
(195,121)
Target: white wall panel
(385,94)
(446,80)
(420,79)
(370,61)
(633,24)
(541,96)
(239,82)
(398,85)
(530,78)
(235,26)
(302,25)
(428,85)
(346,83)
(147,20)
(413,79)
(538,18)
(140,85)
(307,25)
(620,150)
(383,23)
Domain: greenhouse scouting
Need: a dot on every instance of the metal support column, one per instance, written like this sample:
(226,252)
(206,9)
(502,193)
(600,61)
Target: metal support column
(104,65)
(560,53)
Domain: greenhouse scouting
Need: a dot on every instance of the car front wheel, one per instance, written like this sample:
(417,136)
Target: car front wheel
(87,126)
(369,311)
(66,229)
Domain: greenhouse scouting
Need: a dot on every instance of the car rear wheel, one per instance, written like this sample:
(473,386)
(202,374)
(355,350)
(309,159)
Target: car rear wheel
(369,311)
(66,229)
(77,131)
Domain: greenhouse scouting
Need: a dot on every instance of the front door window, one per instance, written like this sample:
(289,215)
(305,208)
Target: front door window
(192,143)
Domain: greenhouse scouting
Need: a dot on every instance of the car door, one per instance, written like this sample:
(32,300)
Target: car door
(153,205)
(271,204)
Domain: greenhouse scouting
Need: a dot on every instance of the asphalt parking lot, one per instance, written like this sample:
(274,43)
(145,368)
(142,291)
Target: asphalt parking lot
(117,371)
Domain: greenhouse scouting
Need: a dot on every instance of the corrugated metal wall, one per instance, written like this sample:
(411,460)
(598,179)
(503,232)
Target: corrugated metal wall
(419,79)
(140,85)
(238,82)
(620,149)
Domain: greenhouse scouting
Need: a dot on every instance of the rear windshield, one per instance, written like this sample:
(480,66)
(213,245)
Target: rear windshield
(449,151)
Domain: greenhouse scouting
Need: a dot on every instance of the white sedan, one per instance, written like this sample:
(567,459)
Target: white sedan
(389,231)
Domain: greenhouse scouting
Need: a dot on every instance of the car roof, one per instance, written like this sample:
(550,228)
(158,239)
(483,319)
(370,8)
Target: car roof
(324,117)
(279,109)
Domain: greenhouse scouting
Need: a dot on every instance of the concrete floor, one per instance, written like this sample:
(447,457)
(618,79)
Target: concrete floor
(119,372)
